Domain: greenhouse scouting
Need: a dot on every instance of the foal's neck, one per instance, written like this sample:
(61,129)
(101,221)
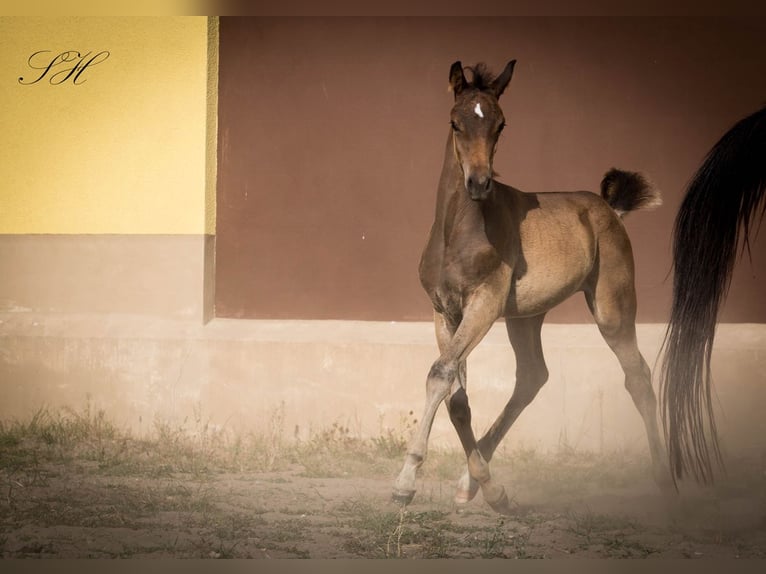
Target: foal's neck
(452,188)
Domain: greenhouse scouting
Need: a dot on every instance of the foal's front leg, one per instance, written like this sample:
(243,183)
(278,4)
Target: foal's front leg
(443,381)
(438,386)
(440,379)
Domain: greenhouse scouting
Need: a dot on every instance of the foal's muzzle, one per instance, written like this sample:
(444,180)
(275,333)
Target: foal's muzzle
(478,187)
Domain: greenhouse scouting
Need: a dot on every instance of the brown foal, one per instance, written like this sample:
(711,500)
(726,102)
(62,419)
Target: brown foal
(495,251)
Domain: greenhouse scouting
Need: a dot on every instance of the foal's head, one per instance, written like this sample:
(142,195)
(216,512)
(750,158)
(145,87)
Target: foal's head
(477,121)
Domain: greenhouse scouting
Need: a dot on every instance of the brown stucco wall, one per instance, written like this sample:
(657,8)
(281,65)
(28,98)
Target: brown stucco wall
(331,134)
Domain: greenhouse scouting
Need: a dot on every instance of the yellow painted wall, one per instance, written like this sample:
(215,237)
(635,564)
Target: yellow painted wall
(123,152)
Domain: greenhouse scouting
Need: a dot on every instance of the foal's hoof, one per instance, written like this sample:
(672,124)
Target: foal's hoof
(464,496)
(501,504)
(402,497)
(466,490)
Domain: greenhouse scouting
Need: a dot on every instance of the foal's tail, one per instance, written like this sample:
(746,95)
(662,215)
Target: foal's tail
(719,209)
(628,191)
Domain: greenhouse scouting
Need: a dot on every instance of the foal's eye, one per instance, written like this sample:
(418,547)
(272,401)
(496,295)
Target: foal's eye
(501,127)
(454,127)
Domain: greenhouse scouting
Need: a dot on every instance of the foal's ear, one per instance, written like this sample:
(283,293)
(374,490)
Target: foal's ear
(457,81)
(498,86)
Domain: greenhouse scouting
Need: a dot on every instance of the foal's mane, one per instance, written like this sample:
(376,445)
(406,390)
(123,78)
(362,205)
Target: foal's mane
(482,76)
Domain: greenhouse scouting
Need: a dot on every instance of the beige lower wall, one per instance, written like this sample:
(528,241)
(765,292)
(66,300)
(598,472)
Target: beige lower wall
(168,276)
(120,321)
(365,375)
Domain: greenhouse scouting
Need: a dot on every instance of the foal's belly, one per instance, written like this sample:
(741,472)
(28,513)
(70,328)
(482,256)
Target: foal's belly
(550,271)
(532,296)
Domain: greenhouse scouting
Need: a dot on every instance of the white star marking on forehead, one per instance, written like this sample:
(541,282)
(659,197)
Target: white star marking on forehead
(477,110)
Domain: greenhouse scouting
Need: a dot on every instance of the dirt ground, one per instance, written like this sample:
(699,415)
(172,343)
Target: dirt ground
(566,507)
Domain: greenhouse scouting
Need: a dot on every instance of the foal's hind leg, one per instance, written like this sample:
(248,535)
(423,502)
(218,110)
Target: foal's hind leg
(531,375)
(615,316)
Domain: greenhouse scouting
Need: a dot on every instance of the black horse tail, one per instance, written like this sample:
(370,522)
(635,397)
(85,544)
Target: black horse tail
(628,191)
(715,218)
